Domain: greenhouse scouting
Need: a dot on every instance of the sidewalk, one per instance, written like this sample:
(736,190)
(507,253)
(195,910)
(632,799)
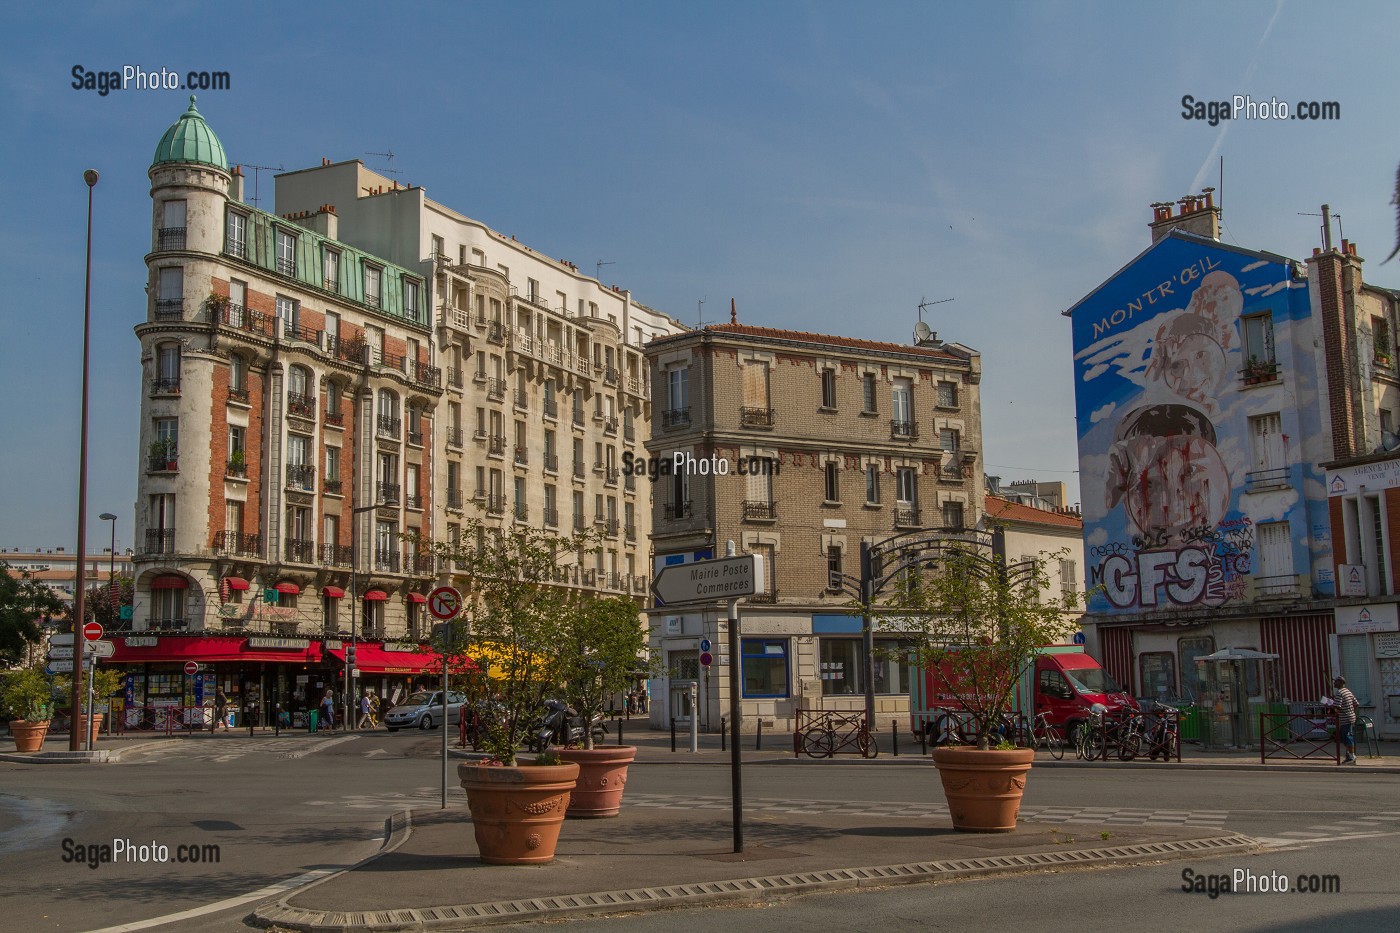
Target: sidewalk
(429,876)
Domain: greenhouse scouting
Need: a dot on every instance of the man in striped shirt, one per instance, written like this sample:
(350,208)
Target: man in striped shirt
(1346,718)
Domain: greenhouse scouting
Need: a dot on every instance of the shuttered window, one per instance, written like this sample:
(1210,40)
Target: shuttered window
(755,376)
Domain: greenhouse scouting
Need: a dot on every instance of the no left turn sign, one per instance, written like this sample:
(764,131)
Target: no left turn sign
(445,602)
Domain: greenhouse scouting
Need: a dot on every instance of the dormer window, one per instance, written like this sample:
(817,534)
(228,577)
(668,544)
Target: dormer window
(373,287)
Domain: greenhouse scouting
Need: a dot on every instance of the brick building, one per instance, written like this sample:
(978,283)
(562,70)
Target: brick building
(362,364)
(839,440)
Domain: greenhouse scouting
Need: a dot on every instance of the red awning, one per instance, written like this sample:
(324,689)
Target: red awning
(334,592)
(373,659)
(170,583)
(207,648)
(236,583)
(291,589)
(417,598)
(376,596)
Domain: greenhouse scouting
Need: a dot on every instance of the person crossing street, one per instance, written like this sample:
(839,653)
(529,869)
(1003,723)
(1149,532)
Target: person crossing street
(1346,718)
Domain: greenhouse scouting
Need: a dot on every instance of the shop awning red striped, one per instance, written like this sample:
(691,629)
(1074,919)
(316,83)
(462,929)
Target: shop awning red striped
(334,592)
(236,583)
(417,598)
(376,596)
(291,589)
(1304,666)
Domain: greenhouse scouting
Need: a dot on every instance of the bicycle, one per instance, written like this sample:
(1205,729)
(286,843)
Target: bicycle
(831,734)
(1044,732)
(1164,737)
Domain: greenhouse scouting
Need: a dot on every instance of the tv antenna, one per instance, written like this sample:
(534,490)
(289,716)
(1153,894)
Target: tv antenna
(700,314)
(390,156)
(922,332)
(1334,216)
(257,170)
(598,268)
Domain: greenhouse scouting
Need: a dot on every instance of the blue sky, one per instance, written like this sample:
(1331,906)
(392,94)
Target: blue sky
(827,165)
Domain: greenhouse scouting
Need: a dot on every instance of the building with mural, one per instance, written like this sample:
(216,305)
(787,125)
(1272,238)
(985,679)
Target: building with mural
(1201,376)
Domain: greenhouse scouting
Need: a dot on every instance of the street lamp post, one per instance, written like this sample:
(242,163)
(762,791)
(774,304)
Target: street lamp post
(79,602)
(111,582)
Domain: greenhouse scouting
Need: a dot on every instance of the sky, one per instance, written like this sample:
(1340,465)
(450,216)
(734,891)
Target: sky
(827,166)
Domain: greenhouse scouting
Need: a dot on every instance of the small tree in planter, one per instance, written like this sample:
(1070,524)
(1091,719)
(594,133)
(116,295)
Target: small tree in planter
(26,695)
(598,654)
(974,625)
(106,681)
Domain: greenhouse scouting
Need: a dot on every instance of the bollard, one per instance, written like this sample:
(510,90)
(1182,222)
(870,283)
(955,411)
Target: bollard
(673,733)
(894,736)
(758,737)
(723,735)
(619,731)
(923,739)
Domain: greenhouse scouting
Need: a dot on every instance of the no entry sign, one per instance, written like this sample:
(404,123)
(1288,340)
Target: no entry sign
(92,631)
(191,667)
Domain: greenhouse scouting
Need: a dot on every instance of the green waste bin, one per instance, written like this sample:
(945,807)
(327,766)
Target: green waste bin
(311,717)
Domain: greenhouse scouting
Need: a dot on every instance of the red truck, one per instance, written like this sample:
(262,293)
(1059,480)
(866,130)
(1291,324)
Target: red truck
(1061,681)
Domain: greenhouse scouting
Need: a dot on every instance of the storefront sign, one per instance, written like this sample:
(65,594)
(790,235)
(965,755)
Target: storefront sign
(262,641)
(1388,645)
(401,646)
(139,641)
(1376,617)
(1350,480)
(334,644)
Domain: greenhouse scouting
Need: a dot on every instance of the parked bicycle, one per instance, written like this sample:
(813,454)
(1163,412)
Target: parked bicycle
(1163,736)
(830,734)
(1043,733)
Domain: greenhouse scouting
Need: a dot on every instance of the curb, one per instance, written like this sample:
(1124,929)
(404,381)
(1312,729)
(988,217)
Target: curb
(921,761)
(283,914)
(98,756)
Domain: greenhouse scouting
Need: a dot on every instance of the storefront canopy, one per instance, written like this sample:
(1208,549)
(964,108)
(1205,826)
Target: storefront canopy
(417,598)
(1237,654)
(291,589)
(376,596)
(236,583)
(170,583)
(168,648)
(373,659)
(334,592)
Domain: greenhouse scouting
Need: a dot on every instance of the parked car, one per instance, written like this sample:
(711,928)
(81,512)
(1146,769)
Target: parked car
(424,709)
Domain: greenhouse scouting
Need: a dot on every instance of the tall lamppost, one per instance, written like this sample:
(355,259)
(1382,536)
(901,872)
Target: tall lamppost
(79,602)
(111,564)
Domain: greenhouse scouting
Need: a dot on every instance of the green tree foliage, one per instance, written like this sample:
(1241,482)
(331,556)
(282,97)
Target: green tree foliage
(98,606)
(975,626)
(24,602)
(600,647)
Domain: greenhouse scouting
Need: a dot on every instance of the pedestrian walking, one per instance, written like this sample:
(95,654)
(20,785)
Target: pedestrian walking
(364,722)
(220,711)
(328,709)
(1346,718)
(373,710)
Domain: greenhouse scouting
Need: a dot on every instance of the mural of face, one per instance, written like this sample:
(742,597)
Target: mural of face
(1218,300)
(1188,358)
(1165,470)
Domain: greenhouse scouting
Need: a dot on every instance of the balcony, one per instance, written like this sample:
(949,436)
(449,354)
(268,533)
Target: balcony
(165,386)
(454,437)
(237,544)
(522,512)
(496,389)
(301,332)
(415,438)
(479,376)
(237,467)
(496,444)
(904,430)
(301,406)
(551,462)
(419,563)
(454,499)
(388,493)
(170,238)
(430,377)
(1259,480)
(673,418)
(1276,587)
(238,395)
(300,551)
(522,456)
(613,580)
(331,486)
(170,309)
(286,266)
(609,376)
(301,476)
(496,332)
(629,532)
(678,510)
(611,527)
(389,426)
(336,555)
(551,518)
(951,473)
(160,541)
(906,517)
(349,351)
(386,560)
(163,462)
(414,502)
(610,425)
(496,505)
(756,417)
(760,511)
(454,378)
(551,408)
(578,416)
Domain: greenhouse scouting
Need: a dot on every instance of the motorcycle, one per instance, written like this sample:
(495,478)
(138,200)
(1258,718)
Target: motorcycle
(562,725)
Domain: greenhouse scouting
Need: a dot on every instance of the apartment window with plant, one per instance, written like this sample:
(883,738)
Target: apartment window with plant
(828,389)
(165,450)
(869,405)
(832,481)
(872,483)
(1259,342)
(373,287)
(237,450)
(1380,339)
(286,244)
(236,234)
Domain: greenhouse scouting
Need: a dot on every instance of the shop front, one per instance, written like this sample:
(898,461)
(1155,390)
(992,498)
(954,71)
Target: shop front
(390,670)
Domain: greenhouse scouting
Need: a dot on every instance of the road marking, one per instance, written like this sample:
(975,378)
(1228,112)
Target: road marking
(261,894)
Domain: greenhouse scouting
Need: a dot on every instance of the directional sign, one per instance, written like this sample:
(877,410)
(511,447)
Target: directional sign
(705,581)
(61,638)
(59,667)
(445,602)
(99,649)
(61,653)
(92,631)
(191,667)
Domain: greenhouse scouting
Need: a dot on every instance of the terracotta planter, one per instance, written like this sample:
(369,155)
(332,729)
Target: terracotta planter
(96,724)
(983,787)
(517,811)
(29,736)
(602,777)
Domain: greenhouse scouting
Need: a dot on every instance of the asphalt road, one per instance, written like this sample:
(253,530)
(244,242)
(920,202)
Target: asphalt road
(284,809)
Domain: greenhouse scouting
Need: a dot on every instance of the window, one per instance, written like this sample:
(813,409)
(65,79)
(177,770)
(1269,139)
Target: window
(532,289)
(828,388)
(765,667)
(1157,675)
(236,444)
(833,486)
(679,383)
(840,667)
(233,516)
(299,381)
(298,449)
(578,511)
(755,389)
(680,495)
(286,252)
(1069,576)
(906,486)
(947,395)
(168,368)
(1380,339)
(867,392)
(412,472)
(167,432)
(373,289)
(872,483)
(332,278)
(237,301)
(168,609)
(333,465)
(902,401)
(236,234)
(948,440)
(237,377)
(439,248)
(1259,338)
(287,314)
(953,515)
(833,566)
(1266,445)
(410,299)
(1193,674)
(1275,545)
(170,300)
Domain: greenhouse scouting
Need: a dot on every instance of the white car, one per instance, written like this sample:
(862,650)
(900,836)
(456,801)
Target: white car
(424,709)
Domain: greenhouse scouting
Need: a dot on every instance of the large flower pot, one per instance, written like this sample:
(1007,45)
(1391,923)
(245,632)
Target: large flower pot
(602,777)
(517,811)
(29,736)
(95,726)
(983,787)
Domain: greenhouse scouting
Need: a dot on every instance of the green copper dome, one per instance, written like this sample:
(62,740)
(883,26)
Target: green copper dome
(190,139)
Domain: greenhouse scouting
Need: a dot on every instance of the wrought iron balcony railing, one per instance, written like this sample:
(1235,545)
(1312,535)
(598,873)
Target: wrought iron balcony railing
(389,426)
(301,406)
(301,476)
(496,444)
(386,559)
(170,238)
(300,551)
(388,493)
(675,418)
(237,544)
(337,555)
(756,417)
(904,430)
(906,517)
(760,511)
(496,505)
(160,540)
(678,510)
(170,309)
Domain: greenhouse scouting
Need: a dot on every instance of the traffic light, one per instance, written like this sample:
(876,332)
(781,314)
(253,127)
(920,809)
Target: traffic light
(350,656)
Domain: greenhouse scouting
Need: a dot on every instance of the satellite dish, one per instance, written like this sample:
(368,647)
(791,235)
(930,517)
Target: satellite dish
(922,332)
(1389,440)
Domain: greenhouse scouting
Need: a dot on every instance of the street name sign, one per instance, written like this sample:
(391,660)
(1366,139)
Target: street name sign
(59,667)
(705,581)
(61,638)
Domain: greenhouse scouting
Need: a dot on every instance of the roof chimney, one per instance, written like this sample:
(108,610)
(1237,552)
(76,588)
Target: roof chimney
(1198,214)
